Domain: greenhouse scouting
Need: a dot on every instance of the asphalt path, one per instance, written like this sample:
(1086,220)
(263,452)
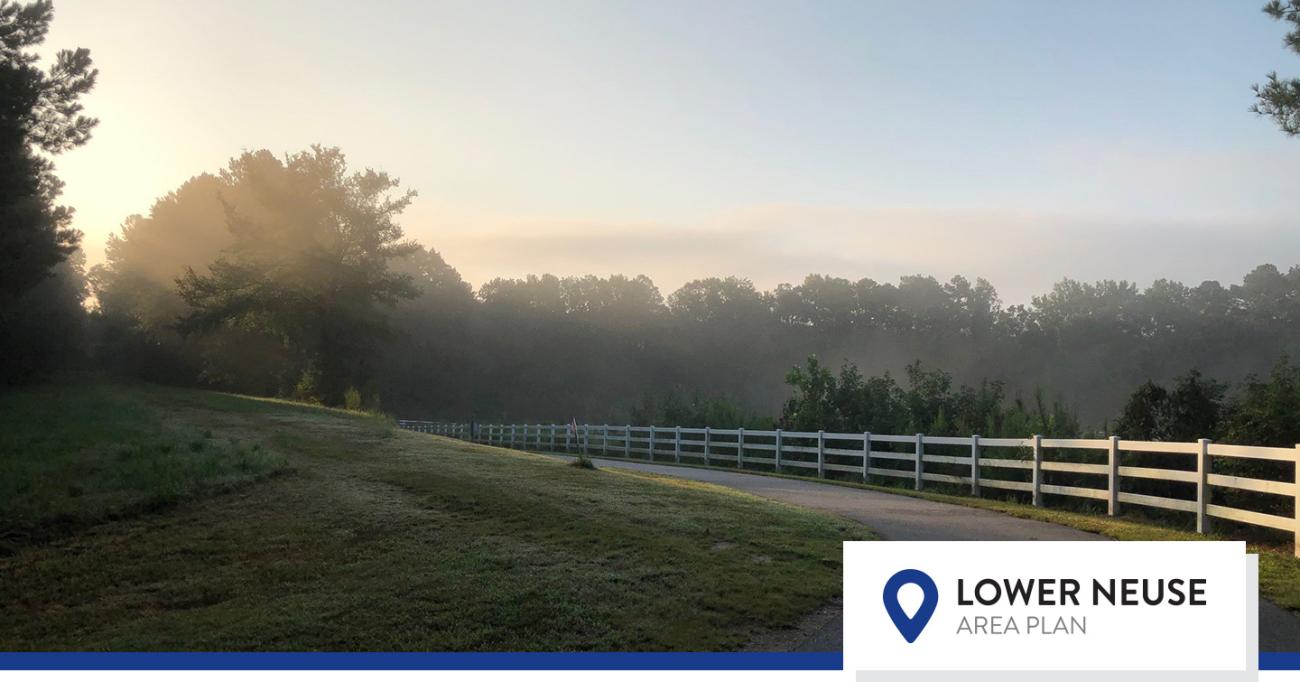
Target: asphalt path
(899,517)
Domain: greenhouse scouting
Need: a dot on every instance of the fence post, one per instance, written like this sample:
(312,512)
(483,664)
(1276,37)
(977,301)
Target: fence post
(513,443)
(677,445)
(604,440)
(920,459)
(1038,470)
(740,448)
(586,439)
(778,451)
(552,430)
(651,452)
(866,455)
(1112,490)
(821,454)
(1202,484)
(706,447)
(627,441)
(567,437)
(975,465)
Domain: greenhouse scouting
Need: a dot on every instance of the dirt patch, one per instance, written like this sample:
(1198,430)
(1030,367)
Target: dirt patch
(821,630)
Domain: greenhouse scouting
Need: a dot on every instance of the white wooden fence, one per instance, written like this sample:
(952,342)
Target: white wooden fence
(907,457)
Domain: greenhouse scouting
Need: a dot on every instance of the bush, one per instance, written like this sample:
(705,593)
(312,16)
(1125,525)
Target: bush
(352,399)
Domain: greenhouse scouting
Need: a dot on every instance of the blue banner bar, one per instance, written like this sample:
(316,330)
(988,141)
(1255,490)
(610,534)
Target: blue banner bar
(419,661)
(460,661)
(1271,660)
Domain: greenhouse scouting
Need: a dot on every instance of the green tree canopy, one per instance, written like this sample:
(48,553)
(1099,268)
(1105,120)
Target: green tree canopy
(39,112)
(1279,98)
(310,266)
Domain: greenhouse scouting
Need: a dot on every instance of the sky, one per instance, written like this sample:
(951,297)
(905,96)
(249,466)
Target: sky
(1022,142)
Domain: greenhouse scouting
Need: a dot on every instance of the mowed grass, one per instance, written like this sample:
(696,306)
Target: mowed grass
(379,539)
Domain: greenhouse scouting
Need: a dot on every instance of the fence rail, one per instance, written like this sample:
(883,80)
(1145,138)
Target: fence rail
(964,462)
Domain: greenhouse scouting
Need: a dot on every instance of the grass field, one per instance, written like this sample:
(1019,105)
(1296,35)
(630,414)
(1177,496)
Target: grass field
(162,519)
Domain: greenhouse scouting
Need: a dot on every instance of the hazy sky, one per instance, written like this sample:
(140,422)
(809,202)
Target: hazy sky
(1018,141)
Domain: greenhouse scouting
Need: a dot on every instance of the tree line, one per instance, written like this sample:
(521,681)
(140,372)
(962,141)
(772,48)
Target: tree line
(290,276)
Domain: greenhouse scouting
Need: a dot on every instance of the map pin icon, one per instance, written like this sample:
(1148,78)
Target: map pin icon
(910,627)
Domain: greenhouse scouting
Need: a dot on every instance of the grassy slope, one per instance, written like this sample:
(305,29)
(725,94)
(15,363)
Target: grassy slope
(71,457)
(382,540)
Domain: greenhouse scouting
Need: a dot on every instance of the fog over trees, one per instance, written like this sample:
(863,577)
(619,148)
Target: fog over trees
(290,276)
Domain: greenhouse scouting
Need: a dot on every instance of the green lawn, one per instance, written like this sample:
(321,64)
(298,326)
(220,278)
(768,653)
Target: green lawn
(369,538)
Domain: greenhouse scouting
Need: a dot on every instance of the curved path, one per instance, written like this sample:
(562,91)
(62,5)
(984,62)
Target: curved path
(898,517)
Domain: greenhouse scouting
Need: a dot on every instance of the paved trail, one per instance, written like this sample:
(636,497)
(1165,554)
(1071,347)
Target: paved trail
(898,517)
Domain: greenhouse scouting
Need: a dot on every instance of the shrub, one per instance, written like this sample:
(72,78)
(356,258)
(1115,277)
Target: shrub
(352,399)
